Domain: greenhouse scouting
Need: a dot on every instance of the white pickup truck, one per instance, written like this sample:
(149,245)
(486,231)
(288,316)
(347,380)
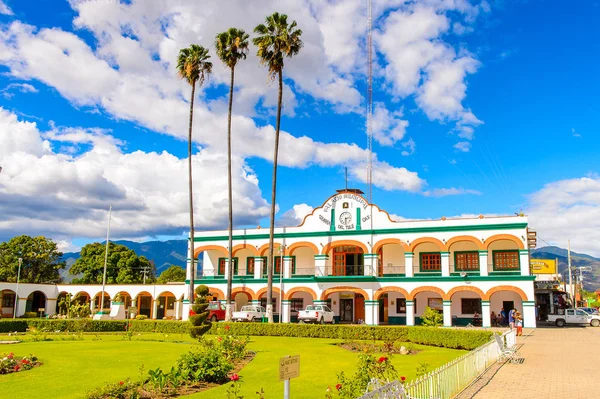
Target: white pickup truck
(574,316)
(249,313)
(316,314)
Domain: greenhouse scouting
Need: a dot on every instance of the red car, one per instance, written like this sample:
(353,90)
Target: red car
(216,311)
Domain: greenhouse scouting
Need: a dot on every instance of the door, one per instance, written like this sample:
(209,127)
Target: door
(359,306)
(339,264)
(162,304)
(508,306)
(346,310)
(581,316)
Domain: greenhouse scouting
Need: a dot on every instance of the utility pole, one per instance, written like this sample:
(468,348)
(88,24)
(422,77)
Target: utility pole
(17,293)
(105,261)
(571,290)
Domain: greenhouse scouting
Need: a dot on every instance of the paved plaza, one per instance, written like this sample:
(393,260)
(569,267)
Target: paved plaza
(557,363)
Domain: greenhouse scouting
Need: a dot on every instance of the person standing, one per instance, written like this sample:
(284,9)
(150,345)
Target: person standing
(493,319)
(518,322)
(511,318)
(503,314)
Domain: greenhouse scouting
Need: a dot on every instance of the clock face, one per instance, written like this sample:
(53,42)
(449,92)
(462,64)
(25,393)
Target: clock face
(345,218)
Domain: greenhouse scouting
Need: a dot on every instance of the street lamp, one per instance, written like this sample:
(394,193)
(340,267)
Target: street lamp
(17,293)
(281,251)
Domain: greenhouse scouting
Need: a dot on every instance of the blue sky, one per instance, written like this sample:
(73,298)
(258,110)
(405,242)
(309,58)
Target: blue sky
(482,107)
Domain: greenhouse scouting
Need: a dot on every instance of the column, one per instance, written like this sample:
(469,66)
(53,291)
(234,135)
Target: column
(154,308)
(22,306)
(255,302)
(529,314)
(91,306)
(445,264)
(408,261)
(133,305)
(372,313)
(486,309)
(410,312)
(321,265)
(258,266)
(287,266)
(185,310)
(370,262)
(226,271)
(447,309)
(285,311)
(51,306)
(524,259)
(177,309)
(483,263)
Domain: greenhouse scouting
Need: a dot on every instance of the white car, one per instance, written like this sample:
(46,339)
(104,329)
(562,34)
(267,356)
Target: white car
(316,314)
(574,316)
(249,313)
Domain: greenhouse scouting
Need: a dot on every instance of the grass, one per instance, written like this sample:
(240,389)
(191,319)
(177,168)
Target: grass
(73,367)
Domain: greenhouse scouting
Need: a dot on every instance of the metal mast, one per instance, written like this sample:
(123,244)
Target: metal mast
(370,103)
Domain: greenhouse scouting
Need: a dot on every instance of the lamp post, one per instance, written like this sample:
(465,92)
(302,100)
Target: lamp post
(17,293)
(281,251)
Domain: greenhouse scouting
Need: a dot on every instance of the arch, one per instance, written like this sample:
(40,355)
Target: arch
(423,240)
(239,247)
(264,290)
(301,244)
(509,237)
(244,290)
(456,239)
(292,291)
(387,241)
(208,248)
(265,248)
(463,288)
(165,293)
(330,291)
(333,244)
(499,288)
(424,288)
(384,290)
(78,294)
(216,292)
(121,293)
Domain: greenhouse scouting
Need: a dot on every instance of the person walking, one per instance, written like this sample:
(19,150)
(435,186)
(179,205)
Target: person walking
(511,318)
(519,322)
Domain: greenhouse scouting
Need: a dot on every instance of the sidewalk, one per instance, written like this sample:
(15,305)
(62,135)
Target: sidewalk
(558,363)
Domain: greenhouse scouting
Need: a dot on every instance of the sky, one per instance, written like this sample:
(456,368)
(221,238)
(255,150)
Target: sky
(480,107)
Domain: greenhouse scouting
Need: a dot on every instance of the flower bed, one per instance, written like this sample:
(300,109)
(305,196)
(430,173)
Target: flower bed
(9,363)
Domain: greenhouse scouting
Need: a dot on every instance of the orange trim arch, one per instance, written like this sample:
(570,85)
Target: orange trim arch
(423,240)
(264,291)
(216,292)
(385,241)
(499,288)
(292,291)
(239,247)
(456,239)
(330,291)
(208,248)
(302,244)
(384,290)
(165,293)
(135,298)
(265,248)
(243,290)
(334,244)
(509,237)
(424,288)
(464,288)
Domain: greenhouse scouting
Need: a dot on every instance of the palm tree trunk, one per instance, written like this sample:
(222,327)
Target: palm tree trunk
(228,312)
(191,254)
(271,264)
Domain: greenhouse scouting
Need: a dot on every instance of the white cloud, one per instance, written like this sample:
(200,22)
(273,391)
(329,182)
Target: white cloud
(294,216)
(20,87)
(388,127)
(568,209)
(4,9)
(575,134)
(463,146)
(410,147)
(444,192)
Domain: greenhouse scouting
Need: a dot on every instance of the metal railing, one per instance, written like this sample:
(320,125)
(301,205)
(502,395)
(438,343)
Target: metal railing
(451,378)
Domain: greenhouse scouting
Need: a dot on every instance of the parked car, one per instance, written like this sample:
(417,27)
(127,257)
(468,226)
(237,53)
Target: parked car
(216,311)
(249,313)
(591,311)
(574,316)
(316,314)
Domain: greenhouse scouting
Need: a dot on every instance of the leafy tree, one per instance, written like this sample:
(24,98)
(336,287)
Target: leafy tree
(232,46)
(194,67)
(123,265)
(173,273)
(275,41)
(40,256)
(200,324)
(432,318)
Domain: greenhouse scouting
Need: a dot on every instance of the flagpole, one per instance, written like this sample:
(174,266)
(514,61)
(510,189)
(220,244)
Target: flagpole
(105,260)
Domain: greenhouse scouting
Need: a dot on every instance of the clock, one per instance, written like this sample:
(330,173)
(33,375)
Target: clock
(345,218)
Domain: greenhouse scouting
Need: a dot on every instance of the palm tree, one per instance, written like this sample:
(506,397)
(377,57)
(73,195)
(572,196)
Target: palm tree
(232,46)
(275,41)
(194,67)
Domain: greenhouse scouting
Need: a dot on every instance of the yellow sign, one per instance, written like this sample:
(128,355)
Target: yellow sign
(543,266)
(289,367)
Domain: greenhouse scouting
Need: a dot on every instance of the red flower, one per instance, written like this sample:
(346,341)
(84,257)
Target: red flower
(120,382)
(17,367)
(234,377)
(338,386)
(382,359)
(25,361)
(403,378)
(10,355)
(227,327)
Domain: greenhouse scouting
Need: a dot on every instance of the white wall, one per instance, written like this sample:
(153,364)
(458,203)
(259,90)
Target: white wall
(457,305)
(422,301)
(305,261)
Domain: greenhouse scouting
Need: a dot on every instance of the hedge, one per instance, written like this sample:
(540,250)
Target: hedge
(442,337)
(88,325)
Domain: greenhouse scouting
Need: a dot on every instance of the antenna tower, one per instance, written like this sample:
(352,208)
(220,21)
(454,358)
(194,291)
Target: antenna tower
(370,103)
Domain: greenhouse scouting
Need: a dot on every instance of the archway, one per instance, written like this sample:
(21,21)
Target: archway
(63,300)
(299,298)
(347,303)
(165,307)
(7,303)
(36,303)
(143,302)
(213,257)
(261,295)
(505,298)
(303,258)
(424,297)
(466,307)
(242,296)
(427,255)
(390,257)
(464,254)
(105,303)
(392,305)
(348,260)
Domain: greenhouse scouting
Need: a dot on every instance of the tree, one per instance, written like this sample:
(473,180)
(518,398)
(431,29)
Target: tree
(275,41)
(200,324)
(432,317)
(232,46)
(41,260)
(194,67)
(123,265)
(171,274)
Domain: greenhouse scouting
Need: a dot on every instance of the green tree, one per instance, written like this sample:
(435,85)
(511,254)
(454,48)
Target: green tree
(41,260)
(431,317)
(276,40)
(200,324)
(232,46)
(171,274)
(194,67)
(123,265)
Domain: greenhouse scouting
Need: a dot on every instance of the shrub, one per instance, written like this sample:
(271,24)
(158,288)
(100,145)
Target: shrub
(205,364)
(9,363)
(9,325)
(30,315)
(432,318)
(87,325)
(369,367)
(141,317)
(200,325)
(120,390)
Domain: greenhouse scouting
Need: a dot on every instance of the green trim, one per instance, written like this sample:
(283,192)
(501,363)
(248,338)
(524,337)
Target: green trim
(523,252)
(468,270)
(486,303)
(483,252)
(117,303)
(285,301)
(235,266)
(409,255)
(436,229)
(367,256)
(321,256)
(505,250)
(472,273)
(186,300)
(358,218)
(372,302)
(332,225)
(528,303)
(445,254)
(428,274)
(510,273)
(447,303)
(421,262)
(410,302)
(320,301)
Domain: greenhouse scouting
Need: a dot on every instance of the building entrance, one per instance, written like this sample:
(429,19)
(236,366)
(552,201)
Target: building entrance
(346,310)
(348,260)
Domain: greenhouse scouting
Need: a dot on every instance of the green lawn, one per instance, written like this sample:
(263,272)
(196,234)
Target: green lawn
(73,367)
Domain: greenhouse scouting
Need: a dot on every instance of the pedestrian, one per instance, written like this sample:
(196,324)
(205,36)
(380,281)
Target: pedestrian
(493,319)
(503,314)
(519,322)
(511,318)
(499,320)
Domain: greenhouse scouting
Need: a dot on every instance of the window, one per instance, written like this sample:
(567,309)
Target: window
(431,262)
(297,304)
(506,260)
(8,300)
(470,305)
(263,303)
(250,266)
(466,261)
(435,303)
(277,265)
(401,305)
(171,302)
(222,262)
